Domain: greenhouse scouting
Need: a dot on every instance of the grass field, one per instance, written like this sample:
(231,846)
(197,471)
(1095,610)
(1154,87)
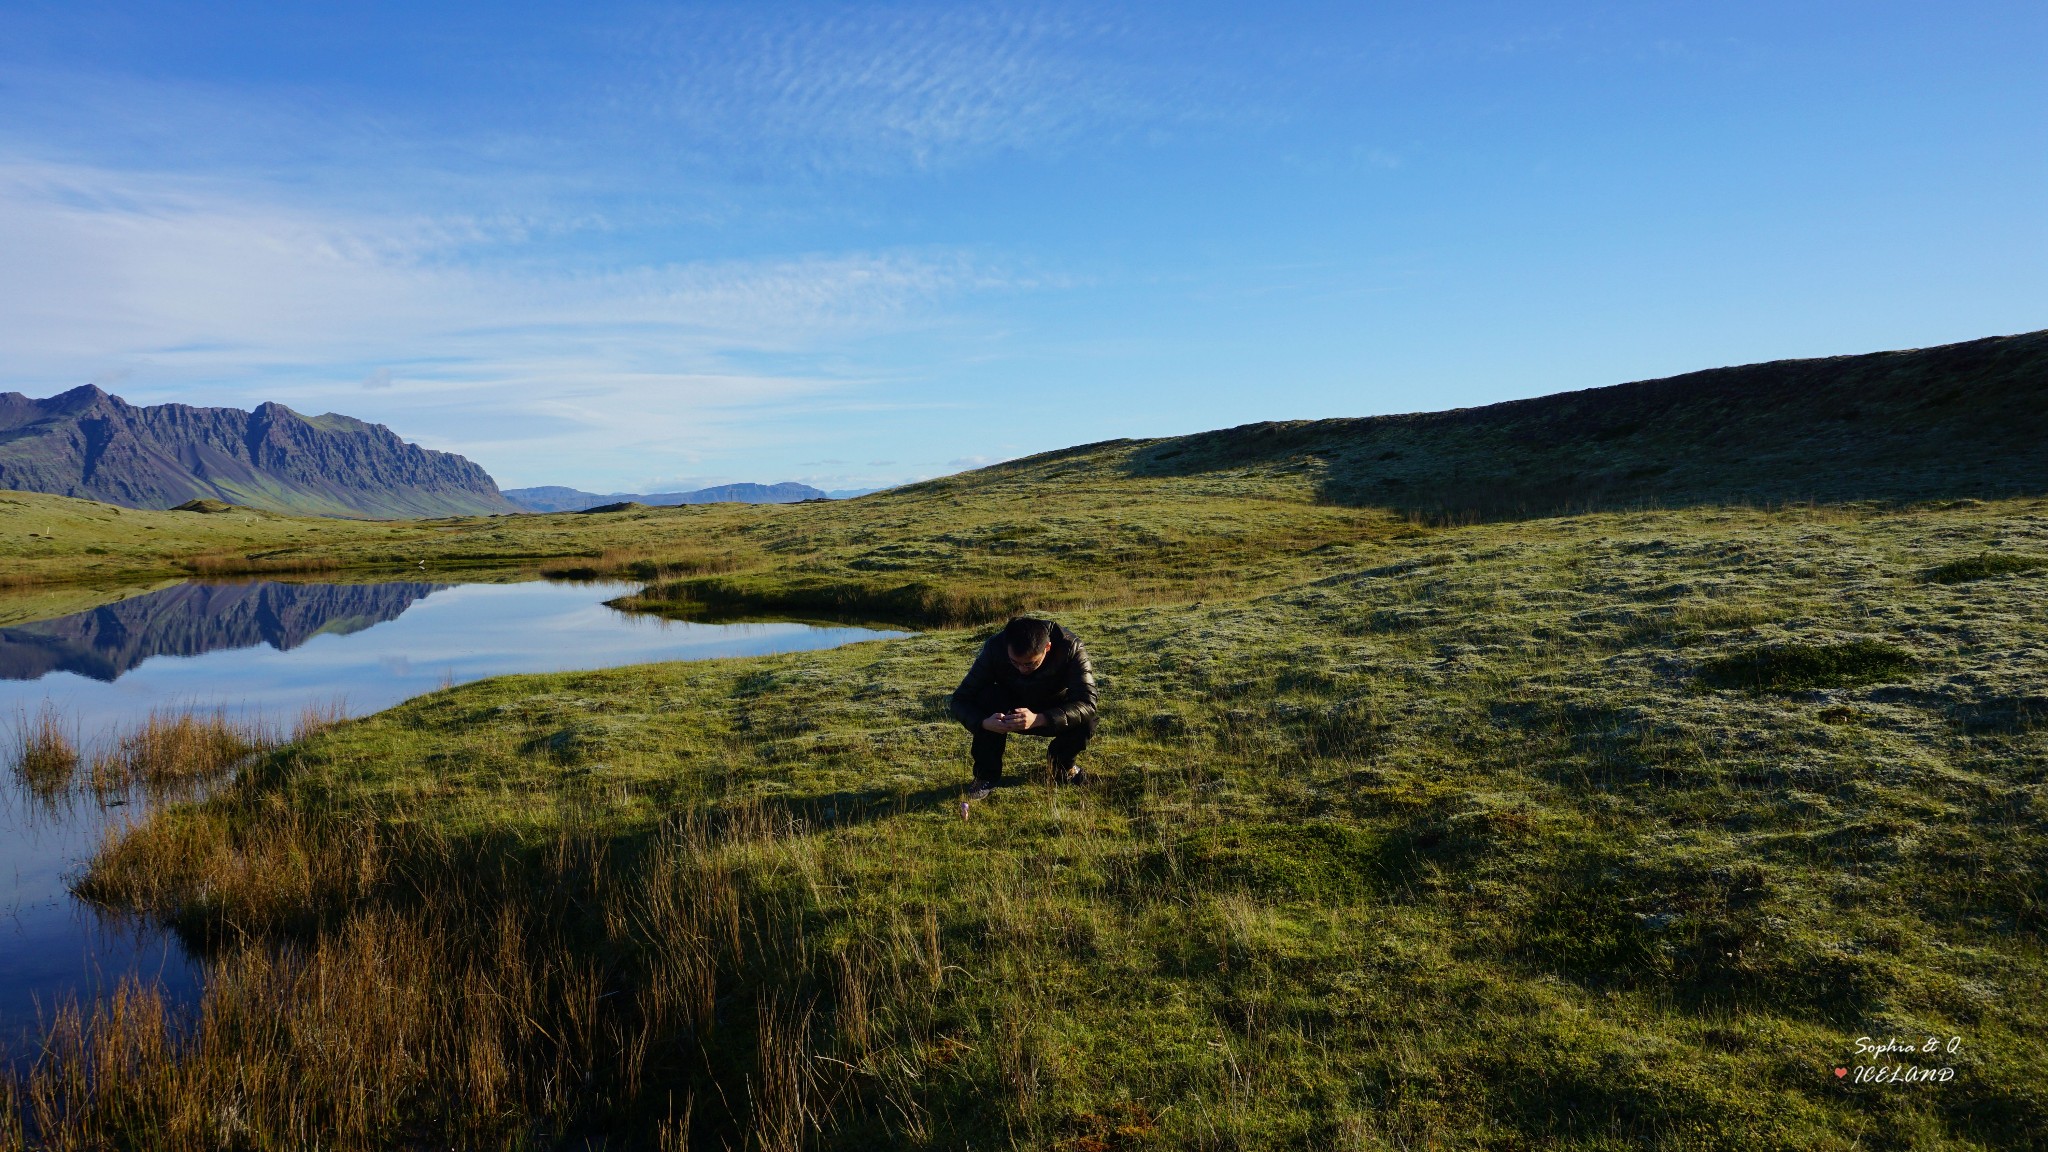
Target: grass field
(1594,831)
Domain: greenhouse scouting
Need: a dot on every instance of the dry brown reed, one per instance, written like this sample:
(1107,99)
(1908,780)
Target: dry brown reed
(176,748)
(13,1135)
(45,755)
(252,873)
(641,564)
(785,1085)
(227,563)
(315,718)
(377,985)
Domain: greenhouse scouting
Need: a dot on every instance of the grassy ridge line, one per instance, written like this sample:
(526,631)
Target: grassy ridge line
(1441,841)
(1960,420)
(1194,515)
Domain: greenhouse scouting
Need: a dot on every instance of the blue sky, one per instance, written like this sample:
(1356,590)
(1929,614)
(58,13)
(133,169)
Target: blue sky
(631,247)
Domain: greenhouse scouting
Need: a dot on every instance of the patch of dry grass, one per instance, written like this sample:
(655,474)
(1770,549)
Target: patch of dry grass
(176,748)
(447,995)
(45,752)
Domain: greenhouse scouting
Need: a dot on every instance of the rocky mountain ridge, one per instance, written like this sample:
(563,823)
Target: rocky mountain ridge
(90,444)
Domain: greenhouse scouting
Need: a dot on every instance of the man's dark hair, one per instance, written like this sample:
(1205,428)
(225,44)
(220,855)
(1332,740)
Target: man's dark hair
(1024,636)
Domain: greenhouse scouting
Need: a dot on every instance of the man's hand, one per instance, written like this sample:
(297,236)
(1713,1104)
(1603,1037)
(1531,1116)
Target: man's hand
(1017,720)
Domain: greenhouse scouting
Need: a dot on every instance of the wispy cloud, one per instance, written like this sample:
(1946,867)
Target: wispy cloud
(886,85)
(207,285)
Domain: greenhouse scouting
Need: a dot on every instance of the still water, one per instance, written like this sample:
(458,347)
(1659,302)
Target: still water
(265,651)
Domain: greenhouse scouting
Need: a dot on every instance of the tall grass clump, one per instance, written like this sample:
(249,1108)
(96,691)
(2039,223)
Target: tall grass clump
(45,756)
(317,717)
(209,868)
(174,749)
(230,563)
(640,564)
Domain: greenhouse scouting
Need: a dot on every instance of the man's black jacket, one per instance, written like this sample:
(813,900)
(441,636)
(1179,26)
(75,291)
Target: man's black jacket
(1062,689)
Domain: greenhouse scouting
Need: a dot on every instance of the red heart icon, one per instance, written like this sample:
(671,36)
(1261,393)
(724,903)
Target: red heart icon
(1841,1072)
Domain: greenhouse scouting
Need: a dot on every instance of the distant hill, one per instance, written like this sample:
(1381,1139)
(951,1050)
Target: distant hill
(554,498)
(1959,420)
(89,444)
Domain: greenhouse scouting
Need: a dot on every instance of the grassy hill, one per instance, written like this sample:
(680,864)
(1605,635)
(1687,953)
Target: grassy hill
(1960,420)
(1419,823)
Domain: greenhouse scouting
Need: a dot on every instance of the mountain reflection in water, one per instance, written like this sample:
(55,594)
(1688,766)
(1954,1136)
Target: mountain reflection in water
(192,619)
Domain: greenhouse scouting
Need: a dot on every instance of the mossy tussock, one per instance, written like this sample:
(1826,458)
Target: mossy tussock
(1796,667)
(1984,566)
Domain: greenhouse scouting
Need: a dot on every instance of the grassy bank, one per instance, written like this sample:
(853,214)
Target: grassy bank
(1606,831)
(60,549)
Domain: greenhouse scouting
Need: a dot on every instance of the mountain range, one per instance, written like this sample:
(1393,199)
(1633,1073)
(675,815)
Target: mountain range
(553,498)
(87,443)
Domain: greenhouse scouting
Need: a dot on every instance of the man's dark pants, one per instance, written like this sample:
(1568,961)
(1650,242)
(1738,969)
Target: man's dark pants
(1067,739)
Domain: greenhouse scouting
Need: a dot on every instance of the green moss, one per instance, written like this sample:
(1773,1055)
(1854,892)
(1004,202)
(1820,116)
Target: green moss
(1316,860)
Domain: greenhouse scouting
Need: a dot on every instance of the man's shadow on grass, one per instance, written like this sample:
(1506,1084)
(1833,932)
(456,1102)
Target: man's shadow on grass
(853,807)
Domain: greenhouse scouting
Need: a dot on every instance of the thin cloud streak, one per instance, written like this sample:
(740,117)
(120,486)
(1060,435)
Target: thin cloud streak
(889,86)
(181,282)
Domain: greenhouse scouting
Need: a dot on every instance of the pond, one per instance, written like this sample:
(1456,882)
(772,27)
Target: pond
(267,651)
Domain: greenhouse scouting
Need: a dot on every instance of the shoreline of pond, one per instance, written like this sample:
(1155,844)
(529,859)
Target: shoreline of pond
(353,648)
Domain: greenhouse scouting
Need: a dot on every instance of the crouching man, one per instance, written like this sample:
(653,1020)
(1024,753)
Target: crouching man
(1033,679)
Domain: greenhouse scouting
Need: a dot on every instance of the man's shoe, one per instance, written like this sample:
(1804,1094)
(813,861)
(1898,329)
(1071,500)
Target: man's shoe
(1072,774)
(981,789)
